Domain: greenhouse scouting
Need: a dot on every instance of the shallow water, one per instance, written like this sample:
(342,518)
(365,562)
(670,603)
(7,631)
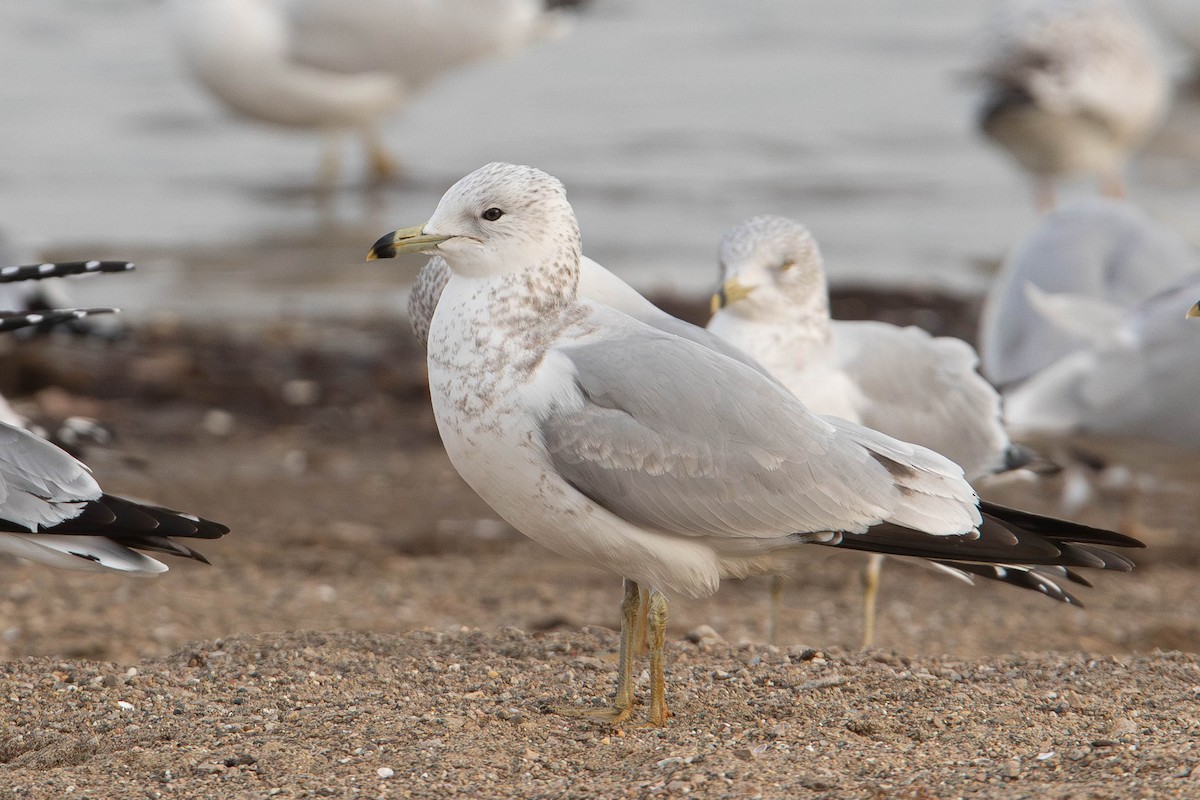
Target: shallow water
(669,121)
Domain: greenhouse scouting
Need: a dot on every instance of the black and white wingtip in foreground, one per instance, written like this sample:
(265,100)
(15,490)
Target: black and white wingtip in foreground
(55,513)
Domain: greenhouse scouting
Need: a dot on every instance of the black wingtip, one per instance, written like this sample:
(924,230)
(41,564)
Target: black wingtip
(1059,529)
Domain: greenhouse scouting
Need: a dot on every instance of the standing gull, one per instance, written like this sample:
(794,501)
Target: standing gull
(773,304)
(599,285)
(1071,87)
(656,458)
(343,66)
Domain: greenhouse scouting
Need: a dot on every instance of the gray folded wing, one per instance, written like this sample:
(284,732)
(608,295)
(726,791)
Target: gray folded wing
(675,437)
(926,390)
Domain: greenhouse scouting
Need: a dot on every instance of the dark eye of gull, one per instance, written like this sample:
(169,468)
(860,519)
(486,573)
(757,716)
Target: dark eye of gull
(492,214)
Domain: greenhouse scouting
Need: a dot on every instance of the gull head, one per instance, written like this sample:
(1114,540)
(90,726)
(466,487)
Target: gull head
(769,265)
(500,219)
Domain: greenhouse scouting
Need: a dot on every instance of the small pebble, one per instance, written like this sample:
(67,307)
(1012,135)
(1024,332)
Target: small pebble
(385,772)
(218,422)
(298,392)
(703,635)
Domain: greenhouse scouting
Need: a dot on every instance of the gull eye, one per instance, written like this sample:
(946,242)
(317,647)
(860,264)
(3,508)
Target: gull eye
(492,214)
(785,266)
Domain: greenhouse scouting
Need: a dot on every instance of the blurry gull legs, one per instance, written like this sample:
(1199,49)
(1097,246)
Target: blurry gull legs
(1070,87)
(343,66)
(773,304)
(53,512)
(654,457)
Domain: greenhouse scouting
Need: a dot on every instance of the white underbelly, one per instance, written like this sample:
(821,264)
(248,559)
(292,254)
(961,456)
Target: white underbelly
(503,460)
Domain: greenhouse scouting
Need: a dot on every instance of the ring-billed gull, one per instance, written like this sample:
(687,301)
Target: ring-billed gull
(52,511)
(1134,376)
(654,457)
(342,66)
(1082,329)
(1071,87)
(773,303)
(1098,248)
(599,285)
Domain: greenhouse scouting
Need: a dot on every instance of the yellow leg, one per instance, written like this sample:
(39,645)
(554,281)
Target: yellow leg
(631,604)
(870,592)
(775,609)
(641,644)
(657,618)
(623,702)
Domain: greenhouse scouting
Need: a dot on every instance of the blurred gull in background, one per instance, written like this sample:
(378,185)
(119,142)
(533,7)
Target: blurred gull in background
(1134,376)
(773,303)
(1099,248)
(1071,88)
(342,66)
(1084,328)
